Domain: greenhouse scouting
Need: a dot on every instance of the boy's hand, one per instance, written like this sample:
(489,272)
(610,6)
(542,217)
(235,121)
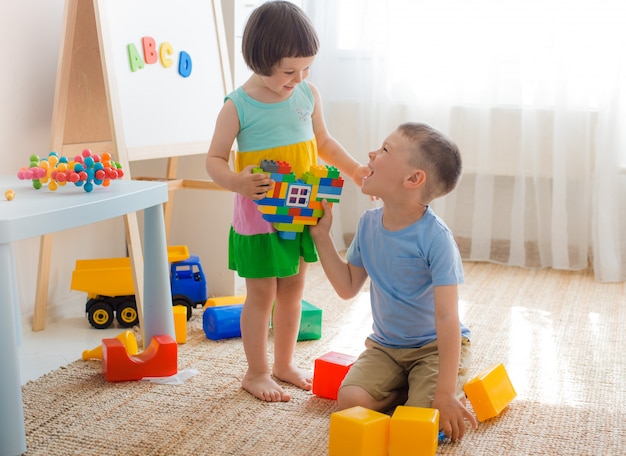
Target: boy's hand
(324,223)
(452,416)
(253,185)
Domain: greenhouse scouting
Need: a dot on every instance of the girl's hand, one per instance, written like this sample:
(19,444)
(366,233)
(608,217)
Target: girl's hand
(253,185)
(359,174)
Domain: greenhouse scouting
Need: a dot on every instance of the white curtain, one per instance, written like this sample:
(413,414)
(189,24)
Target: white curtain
(532,91)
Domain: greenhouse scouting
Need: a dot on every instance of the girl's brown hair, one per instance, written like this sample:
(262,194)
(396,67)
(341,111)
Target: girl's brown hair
(275,30)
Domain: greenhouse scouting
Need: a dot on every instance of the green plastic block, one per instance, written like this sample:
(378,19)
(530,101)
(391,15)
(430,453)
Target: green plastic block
(310,322)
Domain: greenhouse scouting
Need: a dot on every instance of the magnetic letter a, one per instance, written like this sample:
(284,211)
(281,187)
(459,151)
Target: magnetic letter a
(136,62)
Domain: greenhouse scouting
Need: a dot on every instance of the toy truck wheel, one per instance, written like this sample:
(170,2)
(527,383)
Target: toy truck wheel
(100,315)
(127,315)
(181,300)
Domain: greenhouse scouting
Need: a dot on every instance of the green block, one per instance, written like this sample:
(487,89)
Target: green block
(310,322)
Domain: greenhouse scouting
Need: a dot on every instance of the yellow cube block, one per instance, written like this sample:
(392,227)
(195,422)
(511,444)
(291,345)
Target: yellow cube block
(413,431)
(180,323)
(358,431)
(225,301)
(490,392)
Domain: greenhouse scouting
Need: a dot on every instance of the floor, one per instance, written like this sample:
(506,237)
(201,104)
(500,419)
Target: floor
(60,343)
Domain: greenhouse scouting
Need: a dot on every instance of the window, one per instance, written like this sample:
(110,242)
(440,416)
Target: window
(298,195)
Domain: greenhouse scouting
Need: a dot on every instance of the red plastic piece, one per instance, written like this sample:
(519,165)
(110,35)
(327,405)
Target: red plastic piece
(330,370)
(160,359)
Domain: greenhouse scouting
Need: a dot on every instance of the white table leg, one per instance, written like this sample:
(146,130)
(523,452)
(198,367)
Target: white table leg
(158,316)
(12,429)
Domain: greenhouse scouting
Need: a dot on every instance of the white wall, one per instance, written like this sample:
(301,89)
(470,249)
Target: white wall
(31,32)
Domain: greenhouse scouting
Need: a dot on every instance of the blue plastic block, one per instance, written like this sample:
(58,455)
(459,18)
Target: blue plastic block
(277,177)
(222,322)
(287,235)
(329,190)
(277,218)
(271,202)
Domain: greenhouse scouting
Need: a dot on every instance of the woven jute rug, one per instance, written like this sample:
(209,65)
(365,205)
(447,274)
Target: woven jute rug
(560,336)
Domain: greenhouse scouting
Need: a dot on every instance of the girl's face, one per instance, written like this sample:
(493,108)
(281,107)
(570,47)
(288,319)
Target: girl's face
(389,167)
(287,74)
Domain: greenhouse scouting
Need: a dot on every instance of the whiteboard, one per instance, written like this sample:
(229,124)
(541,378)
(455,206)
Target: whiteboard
(160,111)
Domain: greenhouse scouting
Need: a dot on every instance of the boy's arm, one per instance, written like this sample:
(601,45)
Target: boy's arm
(452,412)
(329,148)
(346,279)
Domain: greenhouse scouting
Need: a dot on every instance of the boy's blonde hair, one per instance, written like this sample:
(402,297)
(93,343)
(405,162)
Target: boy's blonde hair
(436,154)
(276,30)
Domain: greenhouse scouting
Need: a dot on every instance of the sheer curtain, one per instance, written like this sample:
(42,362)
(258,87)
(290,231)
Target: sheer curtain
(532,91)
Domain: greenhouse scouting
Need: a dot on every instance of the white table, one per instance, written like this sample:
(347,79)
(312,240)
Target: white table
(38,212)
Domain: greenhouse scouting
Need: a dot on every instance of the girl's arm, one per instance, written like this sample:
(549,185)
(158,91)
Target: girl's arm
(346,279)
(246,183)
(329,149)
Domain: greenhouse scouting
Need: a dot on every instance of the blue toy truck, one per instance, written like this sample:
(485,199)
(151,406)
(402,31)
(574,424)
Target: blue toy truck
(110,288)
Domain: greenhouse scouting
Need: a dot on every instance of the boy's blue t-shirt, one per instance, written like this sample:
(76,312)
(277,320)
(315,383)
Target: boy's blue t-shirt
(404,267)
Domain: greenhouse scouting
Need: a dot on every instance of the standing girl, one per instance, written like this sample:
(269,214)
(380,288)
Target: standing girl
(274,115)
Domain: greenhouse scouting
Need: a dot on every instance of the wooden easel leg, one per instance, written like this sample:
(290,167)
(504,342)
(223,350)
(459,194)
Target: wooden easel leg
(168,207)
(43,281)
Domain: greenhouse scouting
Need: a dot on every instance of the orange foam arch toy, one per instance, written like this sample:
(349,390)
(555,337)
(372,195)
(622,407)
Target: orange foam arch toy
(160,359)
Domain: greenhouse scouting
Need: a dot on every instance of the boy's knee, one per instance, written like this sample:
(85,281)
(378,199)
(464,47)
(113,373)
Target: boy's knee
(350,396)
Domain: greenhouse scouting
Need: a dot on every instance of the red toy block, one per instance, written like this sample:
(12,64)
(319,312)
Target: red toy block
(330,370)
(160,359)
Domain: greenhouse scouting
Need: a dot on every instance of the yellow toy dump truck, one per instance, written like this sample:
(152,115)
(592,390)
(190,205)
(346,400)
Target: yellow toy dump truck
(110,289)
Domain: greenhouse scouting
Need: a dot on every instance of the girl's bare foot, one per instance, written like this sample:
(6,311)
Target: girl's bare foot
(299,377)
(263,387)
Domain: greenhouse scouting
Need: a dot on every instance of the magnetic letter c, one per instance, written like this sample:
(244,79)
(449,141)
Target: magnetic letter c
(164,52)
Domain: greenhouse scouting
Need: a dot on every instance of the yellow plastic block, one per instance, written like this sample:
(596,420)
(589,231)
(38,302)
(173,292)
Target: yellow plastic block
(180,323)
(358,431)
(305,220)
(283,191)
(225,301)
(267,209)
(413,431)
(127,338)
(490,392)
(319,170)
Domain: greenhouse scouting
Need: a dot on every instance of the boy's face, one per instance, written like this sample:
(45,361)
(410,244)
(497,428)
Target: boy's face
(389,167)
(287,74)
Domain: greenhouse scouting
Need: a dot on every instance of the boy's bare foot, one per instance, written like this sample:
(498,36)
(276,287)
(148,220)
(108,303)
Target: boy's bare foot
(299,377)
(263,387)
